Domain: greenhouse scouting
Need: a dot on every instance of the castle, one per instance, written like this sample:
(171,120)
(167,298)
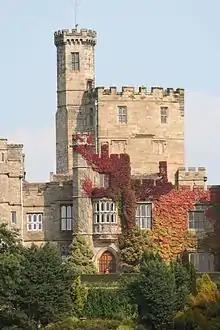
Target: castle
(148,125)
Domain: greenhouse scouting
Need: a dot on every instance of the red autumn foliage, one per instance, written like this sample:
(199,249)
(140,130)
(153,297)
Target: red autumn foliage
(170,206)
(117,167)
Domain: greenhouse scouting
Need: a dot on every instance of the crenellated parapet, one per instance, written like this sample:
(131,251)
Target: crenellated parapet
(130,92)
(191,177)
(75,37)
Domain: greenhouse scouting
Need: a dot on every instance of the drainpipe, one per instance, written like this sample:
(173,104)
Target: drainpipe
(22,209)
(96,126)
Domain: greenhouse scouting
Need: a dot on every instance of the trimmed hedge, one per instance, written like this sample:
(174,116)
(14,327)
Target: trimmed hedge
(109,303)
(71,323)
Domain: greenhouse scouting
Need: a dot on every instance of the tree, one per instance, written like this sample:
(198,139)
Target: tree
(10,266)
(80,257)
(182,283)
(45,287)
(202,309)
(79,294)
(133,244)
(154,291)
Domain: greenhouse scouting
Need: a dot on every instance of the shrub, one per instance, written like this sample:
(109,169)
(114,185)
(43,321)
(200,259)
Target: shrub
(74,324)
(110,303)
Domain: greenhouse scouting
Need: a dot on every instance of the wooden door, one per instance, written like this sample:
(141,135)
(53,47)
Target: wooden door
(107,263)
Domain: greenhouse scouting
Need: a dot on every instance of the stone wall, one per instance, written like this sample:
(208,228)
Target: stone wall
(143,137)
(11,176)
(47,198)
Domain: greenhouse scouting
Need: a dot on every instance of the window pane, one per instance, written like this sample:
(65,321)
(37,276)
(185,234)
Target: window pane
(63,224)
(39,217)
(69,224)
(35,217)
(13,217)
(40,226)
(63,211)
(148,210)
(69,211)
(102,206)
(143,210)
(29,218)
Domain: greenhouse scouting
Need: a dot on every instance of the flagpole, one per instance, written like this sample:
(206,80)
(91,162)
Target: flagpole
(75,14)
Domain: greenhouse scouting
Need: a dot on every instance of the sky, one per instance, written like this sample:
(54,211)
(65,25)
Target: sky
(144,42)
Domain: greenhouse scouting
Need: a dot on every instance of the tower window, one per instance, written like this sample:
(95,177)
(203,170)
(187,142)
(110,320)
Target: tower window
(13,217)
(163,115)
(75,61)
(89,84)
(122,115)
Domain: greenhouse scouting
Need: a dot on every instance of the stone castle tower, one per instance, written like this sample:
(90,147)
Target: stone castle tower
(75,74)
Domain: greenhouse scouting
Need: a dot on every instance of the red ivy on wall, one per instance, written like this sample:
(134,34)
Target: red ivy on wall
(169,234)
(117,167)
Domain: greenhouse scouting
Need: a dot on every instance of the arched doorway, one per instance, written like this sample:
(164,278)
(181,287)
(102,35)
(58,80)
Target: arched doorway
(107,263)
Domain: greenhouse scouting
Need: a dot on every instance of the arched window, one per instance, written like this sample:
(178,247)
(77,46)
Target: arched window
(107,263)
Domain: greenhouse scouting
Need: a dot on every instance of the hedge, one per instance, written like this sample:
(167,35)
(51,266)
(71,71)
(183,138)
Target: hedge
(109,303)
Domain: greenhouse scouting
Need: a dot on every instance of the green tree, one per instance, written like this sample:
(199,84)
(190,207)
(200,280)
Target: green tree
(203,308)
(79,294)
(80,257)
(154,291)
(45,288)
(132,245)
(190,270)
(10,266)
(182,283)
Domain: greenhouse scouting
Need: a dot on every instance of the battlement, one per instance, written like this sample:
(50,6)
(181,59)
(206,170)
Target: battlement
(191,176)
(74,36)
(142,92)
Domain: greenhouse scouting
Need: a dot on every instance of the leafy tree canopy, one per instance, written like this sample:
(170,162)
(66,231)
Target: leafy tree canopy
(154,291)
(45,286)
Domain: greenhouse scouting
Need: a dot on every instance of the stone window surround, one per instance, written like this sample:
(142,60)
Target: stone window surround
(163,115)
(66,217)
(144,215)
(75,61)
(34,221)
(122,114)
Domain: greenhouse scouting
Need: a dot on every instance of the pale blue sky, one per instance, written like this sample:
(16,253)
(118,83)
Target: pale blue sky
(168,43)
